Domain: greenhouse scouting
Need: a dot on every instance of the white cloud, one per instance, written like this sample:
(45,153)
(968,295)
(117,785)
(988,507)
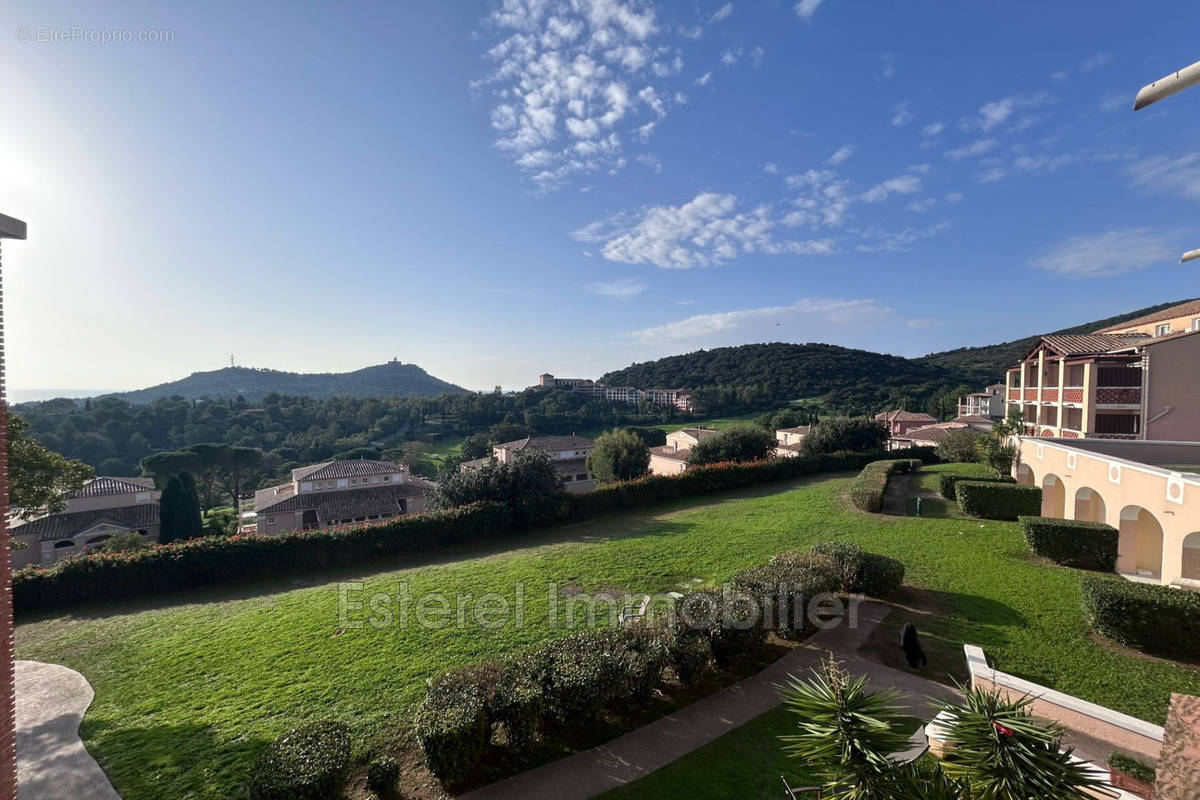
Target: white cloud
(650,160)
(992,174)
(889,66)
(877,241)
(621,289)
(757,55)
(560,82)
(1095,62)
(933,129)
(902,184)
(721,13)
(953,197)
(806,8)
(843,153)
(923,204)
(706,231)
(703,79)
(1061,75)
(903,114)
(994,113)
(824,200)
(771,168)
(1112,253)
(813,314)
(976,148)
(1115,102)
(1168,175)
(730,57)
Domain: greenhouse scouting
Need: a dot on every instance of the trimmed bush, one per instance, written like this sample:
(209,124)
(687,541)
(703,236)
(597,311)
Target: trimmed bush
(518,702)
(584,673)
(881,575)
(308,763)
(847,561)
(452,724)
(382,774)
(691,653)
(947,481)
(797,576)
(1158,619)
(998,500)
(1072,543)
(741,634)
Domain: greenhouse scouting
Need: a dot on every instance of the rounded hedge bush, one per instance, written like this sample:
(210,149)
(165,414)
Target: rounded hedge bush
(947,481)
(691,653)
(1072,543)
(382,774)
(452,724)
(584,673)
(990,500)
(881,575)
(308,763)
(1159,619)
(847,559)
(798,577)
(518,702)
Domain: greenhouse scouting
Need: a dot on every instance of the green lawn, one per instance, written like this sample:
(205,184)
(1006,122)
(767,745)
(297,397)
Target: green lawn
(936,506)
(188,688)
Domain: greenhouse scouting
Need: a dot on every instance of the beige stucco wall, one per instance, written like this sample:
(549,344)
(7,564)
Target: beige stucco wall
(666,466)
(1174,380)
(1180,323)
(1137,499)
(111,501)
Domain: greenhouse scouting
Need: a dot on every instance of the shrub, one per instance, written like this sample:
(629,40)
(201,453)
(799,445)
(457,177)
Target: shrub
(741,633)
(847,560)
(584,672)
(797,576)
(648,653)
(452,723)
(1133,768)
(959,444)
(881,575)
(691,653)
(518,703)
(1158,619)
(1073,543)
(308,763)
(853,434)
(382,774)
(947,481)
(124,542)
(867,490)
(998,500)
(737,443)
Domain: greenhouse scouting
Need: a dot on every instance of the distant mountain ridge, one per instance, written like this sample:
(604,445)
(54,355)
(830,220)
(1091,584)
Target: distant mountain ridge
(392,379)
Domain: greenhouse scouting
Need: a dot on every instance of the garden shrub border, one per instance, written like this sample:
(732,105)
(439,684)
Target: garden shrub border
(1159,619)
(868,489)
(1072,543)
(948,480)
(1005,501)
(307,763)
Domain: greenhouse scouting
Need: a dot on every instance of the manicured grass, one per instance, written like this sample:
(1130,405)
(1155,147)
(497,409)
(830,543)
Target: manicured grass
(933,505)
(188,689)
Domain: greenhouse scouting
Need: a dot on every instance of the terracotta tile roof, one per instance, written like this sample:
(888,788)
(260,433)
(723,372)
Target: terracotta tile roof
(791,448)
(105,486)
(348,503)
(64,526)
(1084,344)
(698,433)
(973,418)
(543,444)
(665,451)
(903,416)
(798,429)
(1189,309)
(351,468)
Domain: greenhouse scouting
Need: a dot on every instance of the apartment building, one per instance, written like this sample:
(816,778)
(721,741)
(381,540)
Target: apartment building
(671,458)
(1119,383)
(104,506)
(899,422)
(790,441)
(668,398)
(337,493)
(988,403)
(567,454)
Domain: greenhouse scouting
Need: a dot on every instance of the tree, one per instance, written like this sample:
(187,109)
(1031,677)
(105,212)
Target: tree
(619,455)
(239,466)
(221,521)
(528,486)
(997,450)
(736,443)
(477,445)
(846,434)
(122,542)
(651,437)
(179,510)
(39,479)
(959,444)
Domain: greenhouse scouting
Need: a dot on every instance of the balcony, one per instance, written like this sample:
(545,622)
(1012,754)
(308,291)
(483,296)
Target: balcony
(1014,394)
(1031,395)
(1050,395)
(1073,395)
(1118,396)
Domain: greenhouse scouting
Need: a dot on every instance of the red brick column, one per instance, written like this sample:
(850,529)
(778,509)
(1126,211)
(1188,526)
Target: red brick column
(8,720)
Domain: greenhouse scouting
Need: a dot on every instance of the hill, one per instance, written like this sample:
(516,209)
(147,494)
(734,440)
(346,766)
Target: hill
(392,379)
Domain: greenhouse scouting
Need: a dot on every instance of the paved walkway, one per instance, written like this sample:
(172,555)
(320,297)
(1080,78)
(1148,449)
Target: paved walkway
(52,763)
(653,746)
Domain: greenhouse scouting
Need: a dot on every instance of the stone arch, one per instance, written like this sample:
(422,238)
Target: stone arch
(1140,546)
(1089,505)
(1024,475)
(1054,496)
(1191,556)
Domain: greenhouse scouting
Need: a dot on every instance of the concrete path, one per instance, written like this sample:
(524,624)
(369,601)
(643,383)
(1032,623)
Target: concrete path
(653,746)
(52,763)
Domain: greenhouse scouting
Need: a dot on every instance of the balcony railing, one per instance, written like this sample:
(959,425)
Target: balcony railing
(1014,394)
(1114,436)
(1118,396)
(1073,394)
(1031,395)
(1050,395)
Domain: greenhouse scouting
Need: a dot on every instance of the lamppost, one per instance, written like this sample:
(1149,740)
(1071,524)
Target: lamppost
(9,229)
(1165,87)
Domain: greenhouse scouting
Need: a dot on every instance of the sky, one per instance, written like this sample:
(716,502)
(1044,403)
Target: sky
(496,190)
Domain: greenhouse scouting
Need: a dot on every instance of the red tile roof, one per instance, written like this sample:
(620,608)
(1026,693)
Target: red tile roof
(1188,309)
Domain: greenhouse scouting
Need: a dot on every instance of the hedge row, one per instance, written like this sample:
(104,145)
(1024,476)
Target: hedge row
(1159,619)
(947,481)
(998,500)
(210,560)
(1072,543)
(869,487)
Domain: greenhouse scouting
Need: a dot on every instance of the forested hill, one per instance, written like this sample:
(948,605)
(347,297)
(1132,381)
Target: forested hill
(839,375)
(988,363)
(392,379)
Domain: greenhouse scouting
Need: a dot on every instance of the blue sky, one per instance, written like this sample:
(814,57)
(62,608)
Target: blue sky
(497,190)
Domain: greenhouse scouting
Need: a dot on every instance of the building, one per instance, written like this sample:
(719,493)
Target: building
(667,398)
(1114,384)
(338,493)
(789,440)
(931,435)
(1148,491)
(671,458)
(104,506)
(546,380)
(567,454)
(988,403)
(898,422)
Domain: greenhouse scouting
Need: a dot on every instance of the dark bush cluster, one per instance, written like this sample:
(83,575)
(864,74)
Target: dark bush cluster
(452,722)
(1159,619)
(861,572)
(867,490)
(382,774)
(1072,543)
(947,482)
(998,500)
(786,585)
(308,763)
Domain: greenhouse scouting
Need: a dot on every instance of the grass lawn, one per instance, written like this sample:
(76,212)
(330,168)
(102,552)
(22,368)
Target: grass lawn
(190,687)
(933,505)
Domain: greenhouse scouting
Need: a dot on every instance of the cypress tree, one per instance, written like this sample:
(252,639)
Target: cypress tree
(179,509)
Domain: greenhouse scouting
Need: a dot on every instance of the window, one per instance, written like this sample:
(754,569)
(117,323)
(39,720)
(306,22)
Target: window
(1162,330)
(1196,324)
(270,520)
(387,478)
(582,477)
(63,543)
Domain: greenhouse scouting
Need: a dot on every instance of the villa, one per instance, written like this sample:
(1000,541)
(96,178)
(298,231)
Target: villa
(567,454)
(671,458)
(899,422)
(104,506)
(1132,381)
(338,493)
(790,440)
(988,403)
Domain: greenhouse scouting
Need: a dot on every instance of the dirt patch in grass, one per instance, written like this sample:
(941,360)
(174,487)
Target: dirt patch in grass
(1133,652)
(910,604)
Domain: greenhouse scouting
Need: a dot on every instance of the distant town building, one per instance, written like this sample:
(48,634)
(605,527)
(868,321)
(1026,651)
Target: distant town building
(899,422)
(104,506)
(790,440)
(673,398)
(931,435)
(1132,381)
(988,403)
(671,458)
(337,493)
(567,454)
